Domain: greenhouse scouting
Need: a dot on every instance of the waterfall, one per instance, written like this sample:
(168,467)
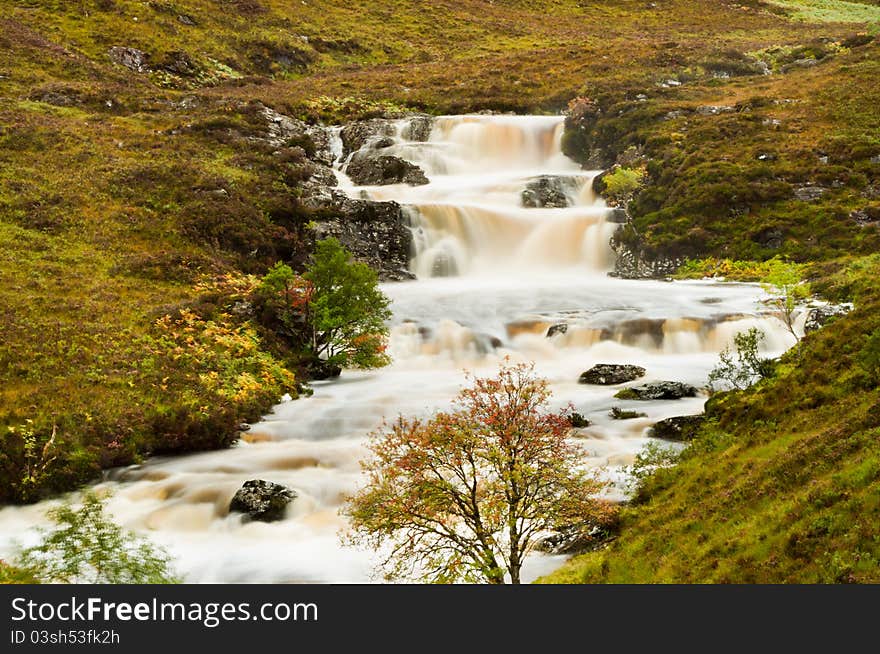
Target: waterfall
(496,279)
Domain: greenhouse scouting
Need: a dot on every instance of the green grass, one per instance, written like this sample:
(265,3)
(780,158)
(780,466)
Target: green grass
(783,483)
(830,10)
(121,191)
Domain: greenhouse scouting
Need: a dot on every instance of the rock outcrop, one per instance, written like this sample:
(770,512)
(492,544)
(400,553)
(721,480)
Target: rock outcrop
(608,374)
(370,168)
(131,58)
(376,233)
(818,317)
(663,390)
(282,130)
(678,428)
(262,500)
(547,192)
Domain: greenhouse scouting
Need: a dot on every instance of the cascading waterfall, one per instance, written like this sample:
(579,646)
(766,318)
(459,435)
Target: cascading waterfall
(496,279)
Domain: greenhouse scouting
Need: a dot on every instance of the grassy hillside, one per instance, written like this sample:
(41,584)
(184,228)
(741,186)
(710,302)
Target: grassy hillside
(783,484)
(131,192)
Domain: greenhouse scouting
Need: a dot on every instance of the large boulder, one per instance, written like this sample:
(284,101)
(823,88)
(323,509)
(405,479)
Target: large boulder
(547,192)
(678,428)
(608,374)
(663,390)
(370,168)
(818,317)
(376,233)
(358,134)
(262,500)
(418,128)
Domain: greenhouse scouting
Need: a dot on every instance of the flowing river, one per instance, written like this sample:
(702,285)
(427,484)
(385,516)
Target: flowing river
(493,278)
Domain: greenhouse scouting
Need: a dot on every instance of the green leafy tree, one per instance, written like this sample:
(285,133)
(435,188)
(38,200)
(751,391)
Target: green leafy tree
(743,368)
(465,495)
(86,546)
(347,310)
(785,283)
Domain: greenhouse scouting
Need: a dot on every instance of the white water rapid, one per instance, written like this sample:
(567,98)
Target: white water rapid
(493,278)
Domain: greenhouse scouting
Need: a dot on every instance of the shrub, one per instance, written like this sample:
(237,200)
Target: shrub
(87,546)
(743,369)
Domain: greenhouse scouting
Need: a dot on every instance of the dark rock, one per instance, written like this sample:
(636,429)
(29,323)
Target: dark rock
(618,216)
(866,216)
(262,500)
(636,264)
(818,317)
(770,238)
(419,128)
(679,428)
(356,135)
(323,370)
(608,374)
(131,58)
(376,233)
(180,64)
(574,540)
(548,192)
(809,193)
(664,390)
(577,421)
(559,328)
(370,169)
(57,99)
(382,142)
(282,129)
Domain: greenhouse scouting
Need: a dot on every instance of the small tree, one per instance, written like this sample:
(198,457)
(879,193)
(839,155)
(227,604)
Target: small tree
(785,283)
(87,546)
(347,310)
(745,367)
(465,495)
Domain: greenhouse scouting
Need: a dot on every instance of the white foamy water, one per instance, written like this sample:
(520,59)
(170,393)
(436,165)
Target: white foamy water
(493,278)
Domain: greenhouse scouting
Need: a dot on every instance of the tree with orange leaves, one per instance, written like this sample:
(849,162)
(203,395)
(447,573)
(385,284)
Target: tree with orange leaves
(467,494)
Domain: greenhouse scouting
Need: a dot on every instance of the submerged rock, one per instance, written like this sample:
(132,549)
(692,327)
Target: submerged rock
(678,428)
(663,390)
(368,168)
(608,374)
(558,328)
(262,500)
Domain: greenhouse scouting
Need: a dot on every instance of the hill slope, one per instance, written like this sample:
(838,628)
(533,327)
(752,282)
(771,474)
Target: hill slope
(137,180)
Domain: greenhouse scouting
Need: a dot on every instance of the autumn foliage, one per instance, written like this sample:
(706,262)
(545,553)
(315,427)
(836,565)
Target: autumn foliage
(466,494)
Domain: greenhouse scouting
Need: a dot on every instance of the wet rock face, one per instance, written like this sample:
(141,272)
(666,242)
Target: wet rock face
(419,128)
(679,428)
(358,134)
(370,168)
(376,233)
(608,374)
(547,191)
(262,500)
